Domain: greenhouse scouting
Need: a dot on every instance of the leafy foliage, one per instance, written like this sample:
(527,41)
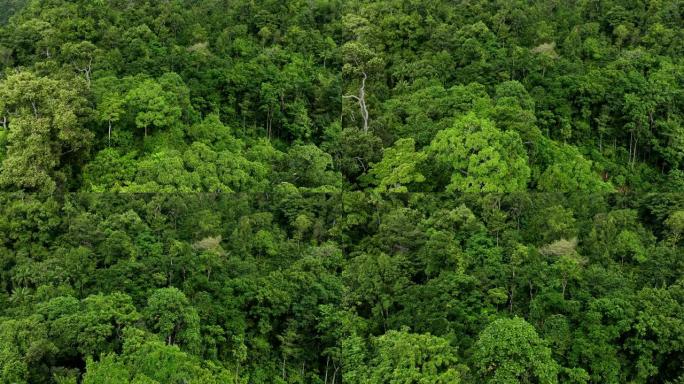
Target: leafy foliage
(332,191)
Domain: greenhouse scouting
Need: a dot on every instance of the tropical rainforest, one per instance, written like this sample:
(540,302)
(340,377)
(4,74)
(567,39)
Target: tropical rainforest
(341,191)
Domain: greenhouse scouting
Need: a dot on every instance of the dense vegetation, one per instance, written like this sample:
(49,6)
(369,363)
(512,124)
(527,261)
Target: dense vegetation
(341,191)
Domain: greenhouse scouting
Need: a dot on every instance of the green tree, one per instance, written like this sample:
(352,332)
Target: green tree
(46,130)
(375,283)
(308,166)
(106,371)
(81,56)
(145,361)
(398,169)
(170,314)
(675,225)
(152,106)
(403,357)
(479,157)
(569,171)
(352,150)
(510,351)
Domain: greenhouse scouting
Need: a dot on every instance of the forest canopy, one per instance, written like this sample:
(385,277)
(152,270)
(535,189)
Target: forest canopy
(341,191)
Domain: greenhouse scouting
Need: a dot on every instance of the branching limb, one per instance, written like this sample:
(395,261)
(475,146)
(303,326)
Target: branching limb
(361,99)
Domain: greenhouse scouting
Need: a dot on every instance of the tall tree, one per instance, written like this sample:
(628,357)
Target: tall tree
(479,157)
(46,120)
(510,351)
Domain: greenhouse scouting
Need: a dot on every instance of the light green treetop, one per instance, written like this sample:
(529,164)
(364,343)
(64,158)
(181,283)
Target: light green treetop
(480,157)
(398,167)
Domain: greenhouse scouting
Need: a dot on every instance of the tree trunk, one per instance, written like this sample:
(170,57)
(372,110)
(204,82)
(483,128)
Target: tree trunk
(512,292)
(334,378)
(361,99)
(565,284)
(631,138)
(269,122)
(362,103)
(531,294)
(283,367)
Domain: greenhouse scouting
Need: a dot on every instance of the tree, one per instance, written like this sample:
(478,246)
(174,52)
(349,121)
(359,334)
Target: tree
(510,351)
(213,132)
(81,56)
(675,224)
(102,321)
(111,108)
(569,171)
(170,314)
(514,110)
(359,61)
(23,343)
(308,166)
(361,99)
(568,263)
(479,157)
(146,360)
(46,129)
(398,168)
(655,336)
(106,371)
(353,151)
(403,357)
(376,283)
(109,170)
(152,106)
(629,244)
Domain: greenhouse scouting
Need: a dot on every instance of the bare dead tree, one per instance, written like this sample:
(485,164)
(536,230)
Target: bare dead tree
(361,99)
(87,69)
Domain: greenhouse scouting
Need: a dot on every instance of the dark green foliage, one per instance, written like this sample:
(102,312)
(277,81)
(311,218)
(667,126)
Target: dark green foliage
(8,8)
(330,191)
